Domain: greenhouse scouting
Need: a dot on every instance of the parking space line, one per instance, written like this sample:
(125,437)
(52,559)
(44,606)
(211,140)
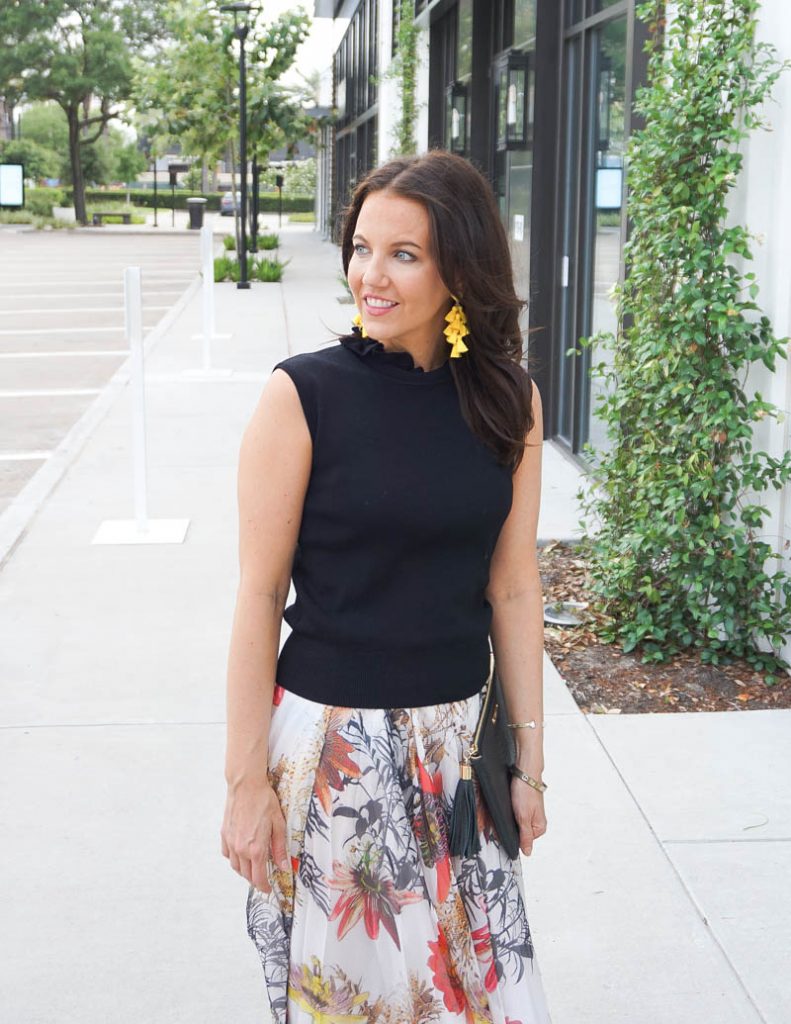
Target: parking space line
(58,330)
(66,352)
(24,456)
(79,309)
(50,392)
(93,294)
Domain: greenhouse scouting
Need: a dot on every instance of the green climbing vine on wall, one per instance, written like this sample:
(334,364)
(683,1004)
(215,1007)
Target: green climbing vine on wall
(679,559)
(403,69)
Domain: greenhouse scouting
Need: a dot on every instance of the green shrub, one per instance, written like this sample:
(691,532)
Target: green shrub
(145,197)
(39,201)
(302,218)
(678,560)
(268,269)
(226,269)
(268,241)
(16,217)
(229,242)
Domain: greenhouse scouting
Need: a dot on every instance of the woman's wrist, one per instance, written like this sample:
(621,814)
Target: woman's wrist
(530,758)
(243,778)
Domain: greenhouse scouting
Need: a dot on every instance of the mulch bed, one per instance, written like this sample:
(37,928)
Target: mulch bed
(603,679)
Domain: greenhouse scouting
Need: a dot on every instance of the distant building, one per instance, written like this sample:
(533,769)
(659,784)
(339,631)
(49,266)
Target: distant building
(303,150)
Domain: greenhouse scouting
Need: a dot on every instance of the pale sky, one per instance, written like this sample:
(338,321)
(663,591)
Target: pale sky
(317,50)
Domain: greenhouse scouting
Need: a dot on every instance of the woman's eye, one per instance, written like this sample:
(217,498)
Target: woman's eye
(358,246)
(403,252)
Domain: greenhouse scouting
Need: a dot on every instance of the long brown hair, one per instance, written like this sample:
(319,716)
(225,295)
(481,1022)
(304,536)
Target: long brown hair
(470,249)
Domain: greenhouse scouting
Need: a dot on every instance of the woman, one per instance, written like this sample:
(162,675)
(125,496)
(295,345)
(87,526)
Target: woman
(398,480)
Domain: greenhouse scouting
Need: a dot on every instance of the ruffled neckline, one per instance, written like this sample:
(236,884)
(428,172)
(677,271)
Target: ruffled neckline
(399,364)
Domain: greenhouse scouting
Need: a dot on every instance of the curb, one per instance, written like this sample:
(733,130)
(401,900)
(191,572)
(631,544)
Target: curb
(17,517)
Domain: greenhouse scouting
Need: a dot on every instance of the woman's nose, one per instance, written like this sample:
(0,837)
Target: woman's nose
(374,273)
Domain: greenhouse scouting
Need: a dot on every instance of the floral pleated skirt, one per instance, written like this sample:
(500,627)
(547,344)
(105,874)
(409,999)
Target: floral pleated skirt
(376,922)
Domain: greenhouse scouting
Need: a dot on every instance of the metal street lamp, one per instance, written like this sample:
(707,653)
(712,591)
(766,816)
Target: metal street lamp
(240,31)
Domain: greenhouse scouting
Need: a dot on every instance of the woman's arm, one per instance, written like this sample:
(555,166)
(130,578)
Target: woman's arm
(517,631)
(274,469)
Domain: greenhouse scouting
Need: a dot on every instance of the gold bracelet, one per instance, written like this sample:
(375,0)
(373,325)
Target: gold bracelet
(525,725)
(540,786)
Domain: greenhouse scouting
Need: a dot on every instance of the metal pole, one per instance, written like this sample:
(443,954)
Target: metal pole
(133,308)
(156,202)
(172,203)
(254,209)
(241,33)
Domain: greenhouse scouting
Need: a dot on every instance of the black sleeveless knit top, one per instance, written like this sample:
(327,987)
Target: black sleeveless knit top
(401,516)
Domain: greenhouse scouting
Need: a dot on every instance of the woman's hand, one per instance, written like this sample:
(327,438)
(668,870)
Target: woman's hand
(528,805)
(252,827)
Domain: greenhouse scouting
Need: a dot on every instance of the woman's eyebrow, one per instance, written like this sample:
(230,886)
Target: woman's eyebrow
(404,242)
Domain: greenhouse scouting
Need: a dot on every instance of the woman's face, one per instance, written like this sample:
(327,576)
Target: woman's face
(391,260)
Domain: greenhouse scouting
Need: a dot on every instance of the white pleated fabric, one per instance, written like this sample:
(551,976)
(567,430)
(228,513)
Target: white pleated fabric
(376,922)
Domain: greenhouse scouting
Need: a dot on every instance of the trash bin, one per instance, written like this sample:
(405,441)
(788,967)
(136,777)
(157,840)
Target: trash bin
(196,207)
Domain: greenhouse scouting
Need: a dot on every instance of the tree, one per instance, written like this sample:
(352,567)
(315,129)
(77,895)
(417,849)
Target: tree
(77,54)
(46,124)
(678,560)
(38,161)
(188,89)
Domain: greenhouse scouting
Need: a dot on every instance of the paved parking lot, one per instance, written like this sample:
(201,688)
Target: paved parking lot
(62,329)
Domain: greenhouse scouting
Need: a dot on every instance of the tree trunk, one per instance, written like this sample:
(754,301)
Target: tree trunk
(75,159)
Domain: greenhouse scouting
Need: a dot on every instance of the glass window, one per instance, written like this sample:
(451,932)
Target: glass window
(525,22)
(594,6)
(464,58)
(609,144)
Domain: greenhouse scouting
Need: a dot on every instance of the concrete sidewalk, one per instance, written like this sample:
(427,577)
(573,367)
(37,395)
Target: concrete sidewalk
(658,895)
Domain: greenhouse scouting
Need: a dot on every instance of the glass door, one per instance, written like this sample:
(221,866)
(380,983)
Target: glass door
(591,199)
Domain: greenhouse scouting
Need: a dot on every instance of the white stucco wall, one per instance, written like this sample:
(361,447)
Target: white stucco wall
(421,92)
(389,99)
(761,202)
(390,90)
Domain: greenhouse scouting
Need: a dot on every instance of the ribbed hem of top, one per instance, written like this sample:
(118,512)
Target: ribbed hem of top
(355,677)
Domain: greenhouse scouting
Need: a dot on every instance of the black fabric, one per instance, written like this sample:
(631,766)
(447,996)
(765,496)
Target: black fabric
(401,517)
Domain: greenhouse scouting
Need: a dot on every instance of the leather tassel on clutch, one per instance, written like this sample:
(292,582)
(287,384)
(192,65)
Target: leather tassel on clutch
(464,838)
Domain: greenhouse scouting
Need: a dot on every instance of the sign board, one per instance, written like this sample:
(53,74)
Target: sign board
(174,170)
(609,183)
(12,186)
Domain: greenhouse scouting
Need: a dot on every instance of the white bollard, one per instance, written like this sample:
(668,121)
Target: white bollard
(207,264)
(133,312)
(141,529)
(209,327)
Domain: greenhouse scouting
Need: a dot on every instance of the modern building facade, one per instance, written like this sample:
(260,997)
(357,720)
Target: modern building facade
(539,95)
(536,93)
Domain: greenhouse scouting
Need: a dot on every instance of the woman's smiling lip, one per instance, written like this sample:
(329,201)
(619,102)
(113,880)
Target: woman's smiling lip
(378,310)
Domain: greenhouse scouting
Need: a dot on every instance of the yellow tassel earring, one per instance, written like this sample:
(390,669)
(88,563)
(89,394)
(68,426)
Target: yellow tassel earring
(456,329)
(358,322)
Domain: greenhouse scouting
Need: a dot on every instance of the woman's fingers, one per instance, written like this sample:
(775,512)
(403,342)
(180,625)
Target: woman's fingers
(279,852)
(253,830)
(259,876)
(526,839)
(529,814)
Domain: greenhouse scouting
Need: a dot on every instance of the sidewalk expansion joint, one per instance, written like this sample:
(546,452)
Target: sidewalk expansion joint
(682,882)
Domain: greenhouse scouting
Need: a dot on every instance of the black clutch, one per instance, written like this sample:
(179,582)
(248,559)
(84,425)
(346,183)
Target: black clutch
(491,755)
